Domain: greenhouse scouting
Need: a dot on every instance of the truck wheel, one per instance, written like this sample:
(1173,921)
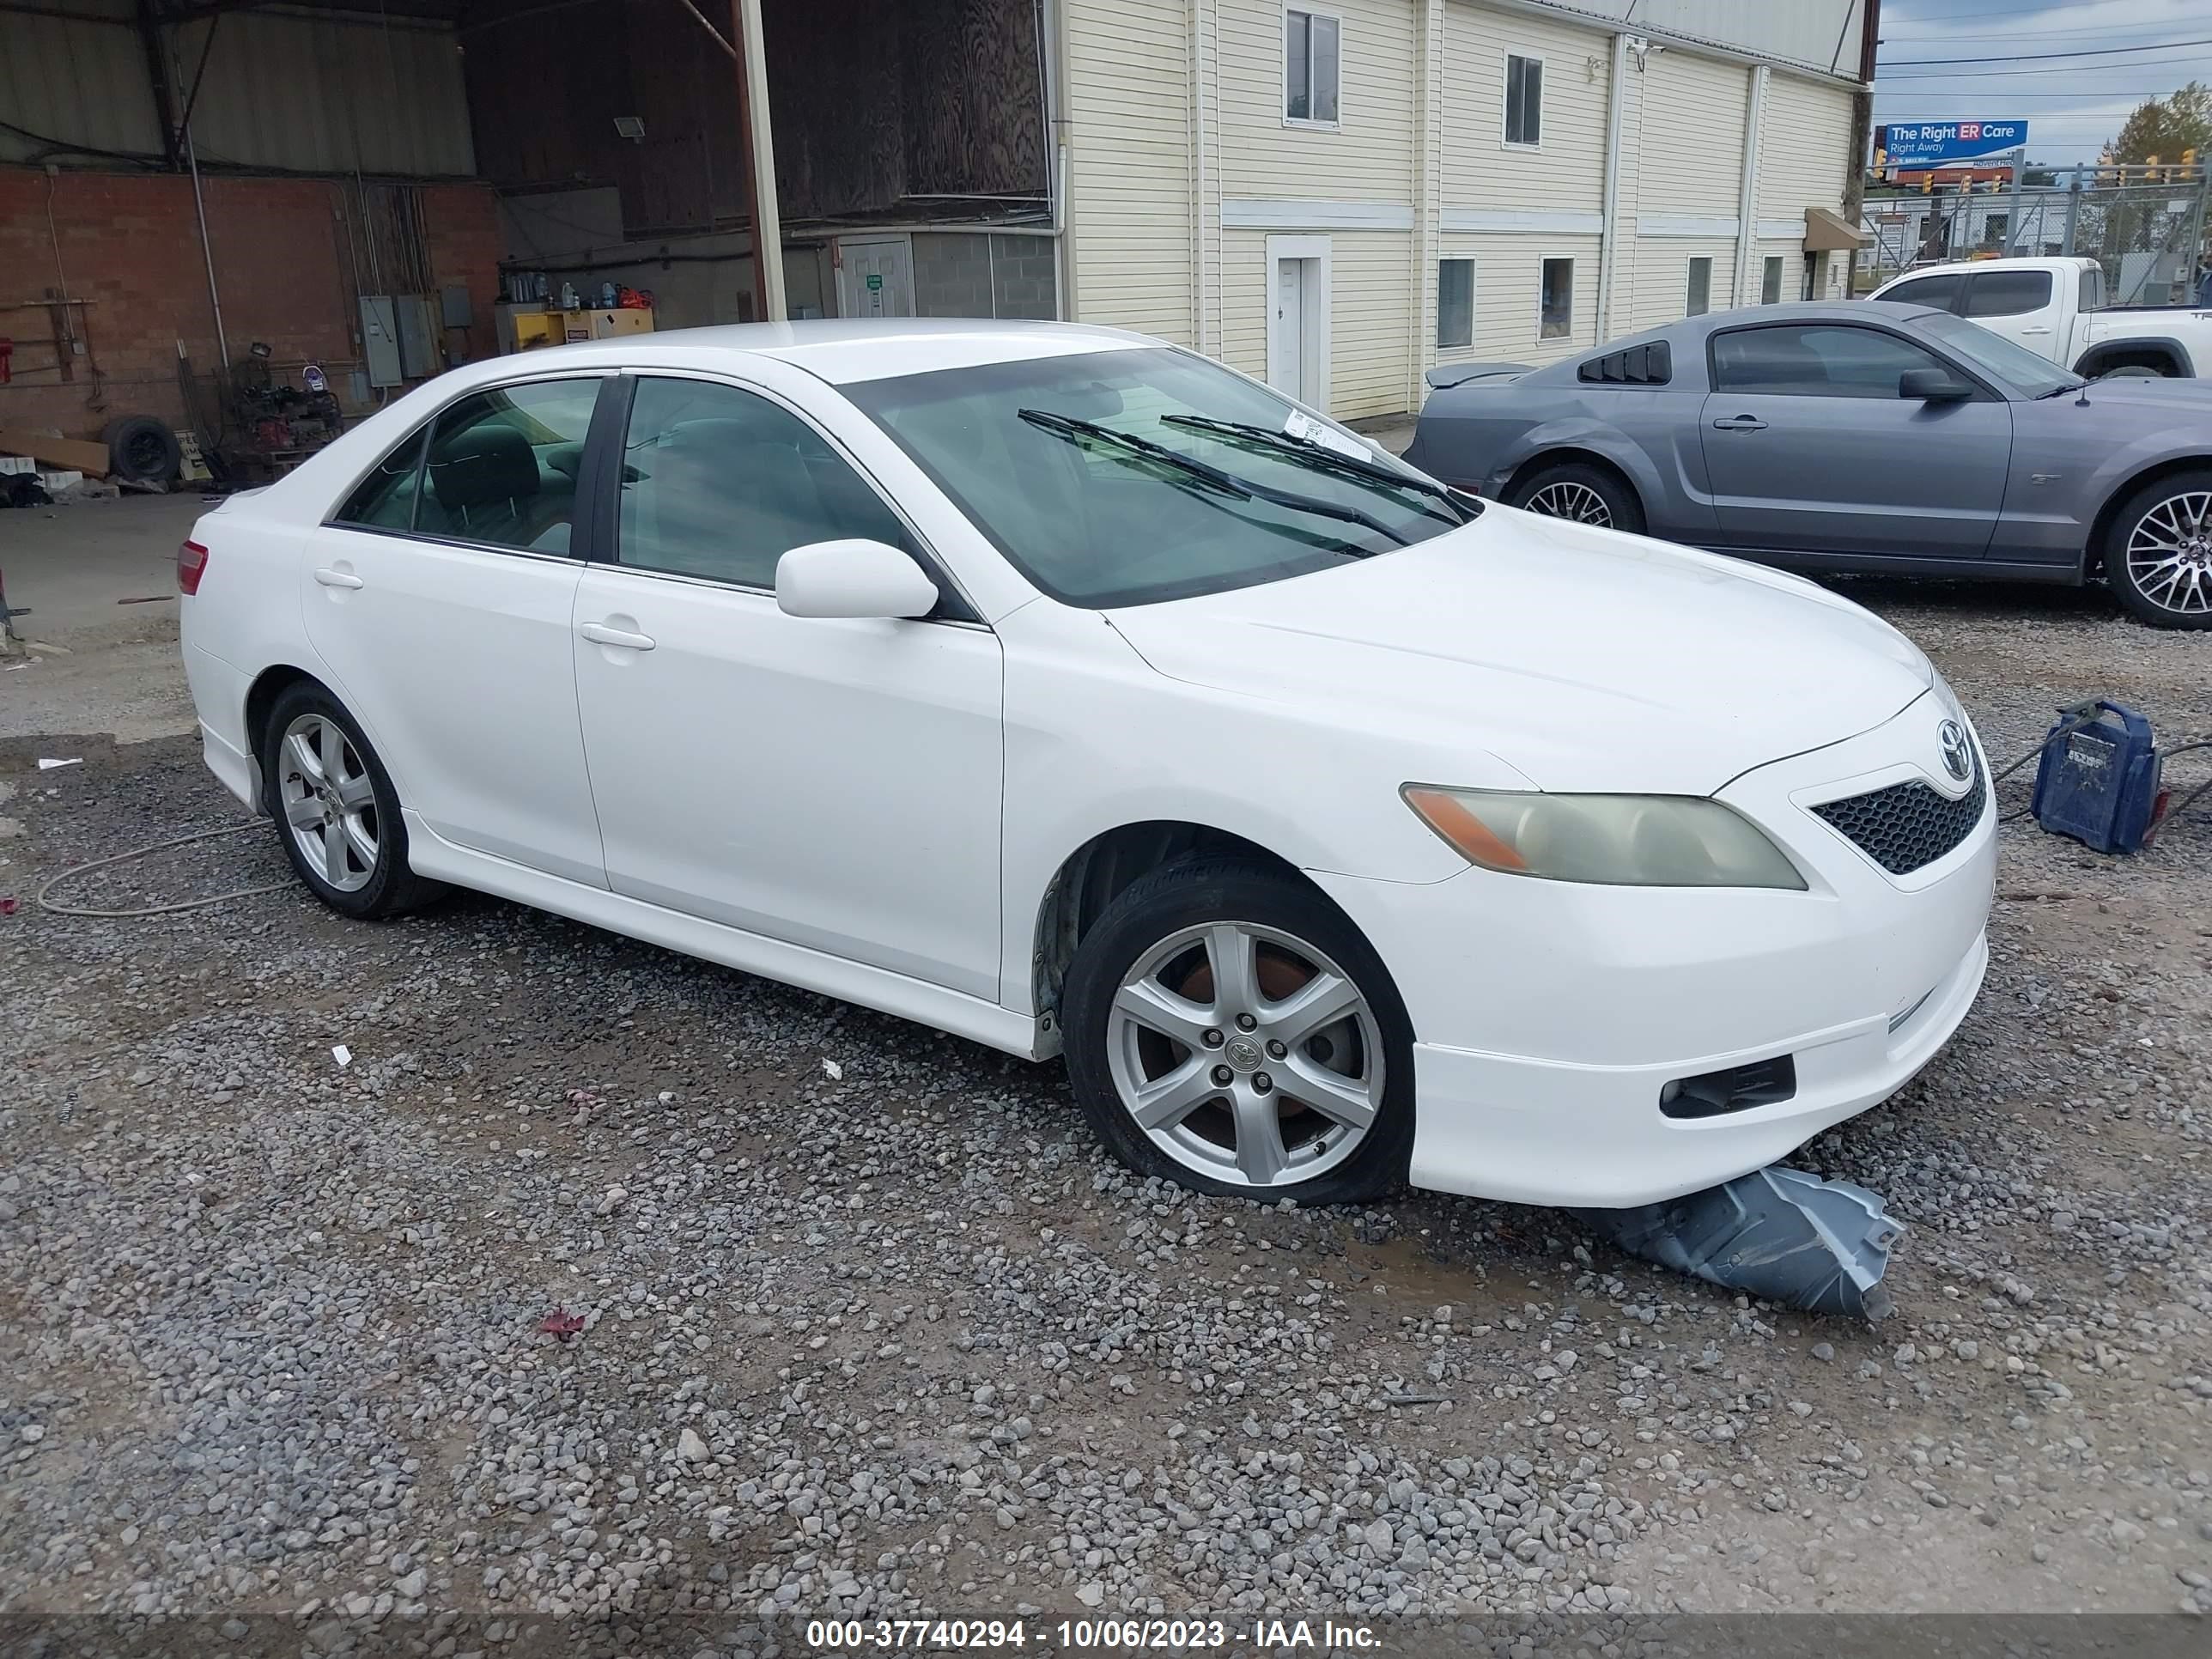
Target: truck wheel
(1583,494)
(2158,554)
(142,449)
(2133,372)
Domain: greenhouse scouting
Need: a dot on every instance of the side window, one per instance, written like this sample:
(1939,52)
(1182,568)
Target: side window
(1824,360)
(2093,290)
(1699,299)
(1310,67)
(1524,100)
(503,464)
(385,499)
(1455,303)
(1942,292)
(722,483)
(1770,281)
(2008,293)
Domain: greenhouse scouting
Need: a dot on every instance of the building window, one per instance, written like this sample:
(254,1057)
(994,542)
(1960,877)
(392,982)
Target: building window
(1700,299)
(1557,301)
(1309,61)
(1455,303)
(1994,228)
(1770,281)
(1524,100)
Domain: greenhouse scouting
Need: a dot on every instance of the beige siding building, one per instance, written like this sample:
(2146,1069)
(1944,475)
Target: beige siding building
(1336,195)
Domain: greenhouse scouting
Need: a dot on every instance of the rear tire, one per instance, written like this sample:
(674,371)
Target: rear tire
(1319,1104)
(142,449)
(2158,554)
(1583,494)
(338,815)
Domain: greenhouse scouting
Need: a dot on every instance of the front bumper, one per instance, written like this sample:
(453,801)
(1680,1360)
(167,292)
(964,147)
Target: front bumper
(1547,1015)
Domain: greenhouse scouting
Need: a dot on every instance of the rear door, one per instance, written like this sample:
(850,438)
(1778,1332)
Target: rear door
(2021,305)
(1810,450)
(439,597)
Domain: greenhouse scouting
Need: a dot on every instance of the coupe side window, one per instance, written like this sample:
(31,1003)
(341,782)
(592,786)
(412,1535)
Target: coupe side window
(502,465)
(385,499)
(1832,360)
(722,483)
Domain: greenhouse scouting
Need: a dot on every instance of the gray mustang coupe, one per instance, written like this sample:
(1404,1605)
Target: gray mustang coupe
(1857,437)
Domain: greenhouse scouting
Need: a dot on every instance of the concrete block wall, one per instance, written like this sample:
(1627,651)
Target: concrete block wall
(130,244)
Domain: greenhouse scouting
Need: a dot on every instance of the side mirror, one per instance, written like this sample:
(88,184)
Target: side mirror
(853,578)
(1933,385)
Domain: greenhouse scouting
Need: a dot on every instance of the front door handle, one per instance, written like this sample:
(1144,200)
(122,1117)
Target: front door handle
(337,578)
(1740,423)
(600,634)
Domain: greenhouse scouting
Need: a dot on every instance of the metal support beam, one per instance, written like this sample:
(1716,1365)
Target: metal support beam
(157,80)
(760,206)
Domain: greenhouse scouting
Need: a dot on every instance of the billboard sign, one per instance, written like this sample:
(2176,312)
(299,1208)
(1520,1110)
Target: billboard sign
(1945,143)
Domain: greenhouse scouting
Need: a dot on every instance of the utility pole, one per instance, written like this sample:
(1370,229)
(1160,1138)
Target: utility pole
(2012,214)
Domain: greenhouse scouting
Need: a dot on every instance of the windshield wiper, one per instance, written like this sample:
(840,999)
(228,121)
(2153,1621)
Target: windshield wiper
(1228,483)
(2056,390)
(1306,449)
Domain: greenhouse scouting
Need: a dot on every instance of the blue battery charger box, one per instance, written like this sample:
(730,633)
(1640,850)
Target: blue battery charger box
(2099,783)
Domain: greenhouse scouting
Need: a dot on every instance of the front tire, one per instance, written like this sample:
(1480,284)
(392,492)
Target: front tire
(1583,494)
(338,815)
(1228,1029)
(2158,555)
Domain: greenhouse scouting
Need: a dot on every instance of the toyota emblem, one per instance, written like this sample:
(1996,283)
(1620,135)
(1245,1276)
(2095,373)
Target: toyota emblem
(1958,758)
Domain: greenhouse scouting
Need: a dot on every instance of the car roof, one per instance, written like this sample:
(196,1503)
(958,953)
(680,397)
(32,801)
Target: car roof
(846,351)
(1691,331)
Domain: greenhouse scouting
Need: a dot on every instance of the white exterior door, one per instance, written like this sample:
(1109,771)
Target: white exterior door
(1286,336)
(876,279)
(1298,318)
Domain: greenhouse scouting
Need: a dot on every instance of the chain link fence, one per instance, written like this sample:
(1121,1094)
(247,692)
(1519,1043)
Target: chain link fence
(2145,225)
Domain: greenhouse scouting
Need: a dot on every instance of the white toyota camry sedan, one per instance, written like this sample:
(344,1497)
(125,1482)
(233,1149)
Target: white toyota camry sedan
(1063,690)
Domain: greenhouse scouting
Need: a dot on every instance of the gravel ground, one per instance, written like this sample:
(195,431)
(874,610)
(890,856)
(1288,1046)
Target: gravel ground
(868,1325)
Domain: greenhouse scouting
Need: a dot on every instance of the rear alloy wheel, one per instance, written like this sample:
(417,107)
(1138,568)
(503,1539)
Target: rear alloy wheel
(1581,493)
(1232,1031)
(2159,559)
(335,809)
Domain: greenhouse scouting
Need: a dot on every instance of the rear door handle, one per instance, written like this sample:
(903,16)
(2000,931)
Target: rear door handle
(600,634)
(1740,423)
(338,579)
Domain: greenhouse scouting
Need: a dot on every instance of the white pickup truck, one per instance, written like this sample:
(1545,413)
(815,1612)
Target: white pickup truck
(2056,309)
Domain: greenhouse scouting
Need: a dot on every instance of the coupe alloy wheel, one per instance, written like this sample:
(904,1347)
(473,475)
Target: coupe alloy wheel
(328,802)
(2169,554)
(1568,500)
(1246,1054)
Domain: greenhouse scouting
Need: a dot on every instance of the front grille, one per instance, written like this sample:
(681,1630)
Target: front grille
(1907,825)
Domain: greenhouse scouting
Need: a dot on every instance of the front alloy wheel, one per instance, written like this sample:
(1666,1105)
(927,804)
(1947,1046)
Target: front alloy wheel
(2160,558)
(1246,1054)
(1229,1029)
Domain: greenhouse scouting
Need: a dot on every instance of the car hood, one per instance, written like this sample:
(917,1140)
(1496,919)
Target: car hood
(2145,391)
(1583,659)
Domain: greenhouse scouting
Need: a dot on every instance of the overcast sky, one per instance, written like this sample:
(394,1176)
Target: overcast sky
(2072,104)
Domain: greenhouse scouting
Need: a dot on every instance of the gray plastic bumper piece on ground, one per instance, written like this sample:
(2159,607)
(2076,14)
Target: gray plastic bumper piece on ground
(1780,1234)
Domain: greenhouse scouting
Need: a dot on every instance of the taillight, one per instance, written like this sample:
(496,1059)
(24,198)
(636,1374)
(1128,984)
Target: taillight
(191,565)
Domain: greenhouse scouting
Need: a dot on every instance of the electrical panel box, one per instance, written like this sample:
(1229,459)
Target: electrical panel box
(418,335)
(380,340)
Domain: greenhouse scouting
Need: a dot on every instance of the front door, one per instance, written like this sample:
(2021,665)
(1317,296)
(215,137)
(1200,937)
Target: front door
(876,279)
(1809,448)
(438,599)
(832,784)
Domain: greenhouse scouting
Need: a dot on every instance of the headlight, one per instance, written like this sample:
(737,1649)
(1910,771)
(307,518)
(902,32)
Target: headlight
(1628,840)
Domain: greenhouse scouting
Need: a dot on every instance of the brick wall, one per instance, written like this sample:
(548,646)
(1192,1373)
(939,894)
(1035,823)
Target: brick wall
(129,243)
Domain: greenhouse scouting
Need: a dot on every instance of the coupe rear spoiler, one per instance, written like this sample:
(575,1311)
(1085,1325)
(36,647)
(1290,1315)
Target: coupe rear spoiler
(1459,373)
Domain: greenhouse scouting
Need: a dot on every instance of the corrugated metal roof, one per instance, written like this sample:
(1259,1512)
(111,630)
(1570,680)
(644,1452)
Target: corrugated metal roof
(327,94)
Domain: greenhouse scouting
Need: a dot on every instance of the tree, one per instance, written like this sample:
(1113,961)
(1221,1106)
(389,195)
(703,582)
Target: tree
(2165,127)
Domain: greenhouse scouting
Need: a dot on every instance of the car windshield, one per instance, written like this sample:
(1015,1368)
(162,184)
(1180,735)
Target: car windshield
(2010,365)
(1128,476)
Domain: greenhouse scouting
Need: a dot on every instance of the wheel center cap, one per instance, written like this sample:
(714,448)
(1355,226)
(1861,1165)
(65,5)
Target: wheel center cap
(1243,1053)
